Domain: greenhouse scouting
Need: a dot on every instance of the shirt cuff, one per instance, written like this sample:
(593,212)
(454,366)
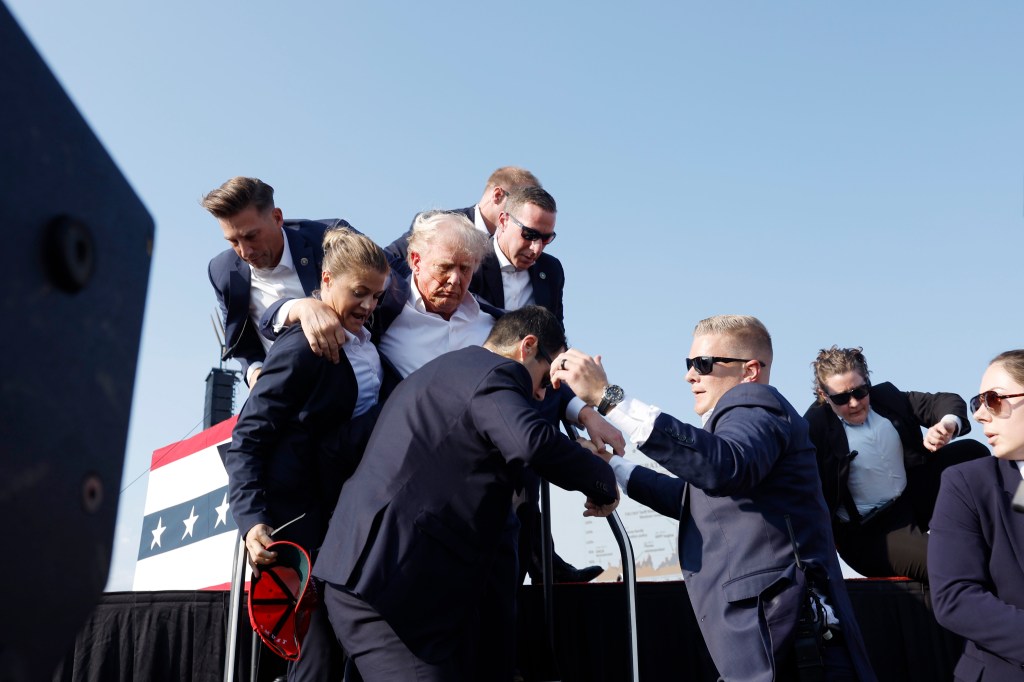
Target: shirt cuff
(573,409)
(281,315)
(956,420)
(623,469)
(249,370)
(634,418)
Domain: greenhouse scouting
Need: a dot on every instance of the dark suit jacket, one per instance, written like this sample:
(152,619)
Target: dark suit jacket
(908,412)
(739,481)
(546,277)
(976,567)
(400,247)
(291,449)
(231,277)
(419,523)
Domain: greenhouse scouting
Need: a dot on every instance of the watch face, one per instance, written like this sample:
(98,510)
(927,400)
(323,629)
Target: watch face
(614,394)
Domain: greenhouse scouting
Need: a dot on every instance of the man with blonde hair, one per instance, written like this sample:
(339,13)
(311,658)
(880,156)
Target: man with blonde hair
(755,543)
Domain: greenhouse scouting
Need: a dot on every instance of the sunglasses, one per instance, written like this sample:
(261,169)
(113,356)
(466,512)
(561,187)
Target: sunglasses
(992,400)
(859,393)
(545,381)
(532,235)
(705,364)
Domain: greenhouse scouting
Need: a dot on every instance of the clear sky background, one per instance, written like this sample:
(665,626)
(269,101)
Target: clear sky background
(850,173)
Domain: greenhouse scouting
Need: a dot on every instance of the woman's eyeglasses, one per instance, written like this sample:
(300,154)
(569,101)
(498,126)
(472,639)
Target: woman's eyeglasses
(859,393)
(992,400)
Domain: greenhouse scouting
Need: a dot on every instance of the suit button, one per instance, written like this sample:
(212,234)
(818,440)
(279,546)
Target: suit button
(304,261)
(543,275)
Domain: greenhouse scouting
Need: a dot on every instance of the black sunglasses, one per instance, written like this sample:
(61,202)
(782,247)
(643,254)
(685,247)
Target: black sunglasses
(532,235)
(545,381)
(992,400)
(859,393)
(705,364)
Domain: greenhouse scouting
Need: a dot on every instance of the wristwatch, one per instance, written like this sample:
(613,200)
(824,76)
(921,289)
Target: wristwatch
(613,395)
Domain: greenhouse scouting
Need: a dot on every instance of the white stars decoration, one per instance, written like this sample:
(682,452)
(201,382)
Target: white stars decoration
(157,532)
(222,512)
(190,523)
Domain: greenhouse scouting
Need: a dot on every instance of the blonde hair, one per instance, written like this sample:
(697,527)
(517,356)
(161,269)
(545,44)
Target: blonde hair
(346,251)
(834,361)
(746,331)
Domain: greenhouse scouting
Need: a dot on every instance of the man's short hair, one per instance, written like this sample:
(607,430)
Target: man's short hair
(516,325)
(836,360)
(238,194)
(538,196)
(443,227)
(748,334)
(511,178)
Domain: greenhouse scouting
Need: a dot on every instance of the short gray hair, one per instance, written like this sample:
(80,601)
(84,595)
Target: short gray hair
(436,227)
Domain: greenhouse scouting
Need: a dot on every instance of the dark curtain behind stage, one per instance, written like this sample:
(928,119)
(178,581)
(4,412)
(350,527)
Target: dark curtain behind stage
(156,636)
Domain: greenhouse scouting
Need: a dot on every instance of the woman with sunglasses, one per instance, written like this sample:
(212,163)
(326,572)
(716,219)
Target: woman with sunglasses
(976,553)
(879,475)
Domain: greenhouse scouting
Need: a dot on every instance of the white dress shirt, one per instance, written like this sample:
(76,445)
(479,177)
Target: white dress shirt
(365,361)
(417,336)
(478,221)
(269,285)
(515,283)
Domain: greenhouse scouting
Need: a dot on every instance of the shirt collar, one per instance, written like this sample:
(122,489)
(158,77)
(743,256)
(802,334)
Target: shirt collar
(286,264)
(467,308)
(478,220)
(503,261)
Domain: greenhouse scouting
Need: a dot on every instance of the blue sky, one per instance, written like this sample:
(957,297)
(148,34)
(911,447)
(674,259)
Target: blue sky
(850,173)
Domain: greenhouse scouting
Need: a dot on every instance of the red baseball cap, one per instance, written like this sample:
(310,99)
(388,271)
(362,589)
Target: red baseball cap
(282,599)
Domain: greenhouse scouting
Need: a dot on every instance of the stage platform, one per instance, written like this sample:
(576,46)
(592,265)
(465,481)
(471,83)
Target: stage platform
(180,636)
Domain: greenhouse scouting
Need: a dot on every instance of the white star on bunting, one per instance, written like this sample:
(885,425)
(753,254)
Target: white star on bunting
(157,532)
(190,523)
(222,512)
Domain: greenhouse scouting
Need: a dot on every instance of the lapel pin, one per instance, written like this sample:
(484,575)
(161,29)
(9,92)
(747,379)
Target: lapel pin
(304,261)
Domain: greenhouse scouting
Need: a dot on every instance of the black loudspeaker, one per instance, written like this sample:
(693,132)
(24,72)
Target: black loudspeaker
(220,396)
(77,245)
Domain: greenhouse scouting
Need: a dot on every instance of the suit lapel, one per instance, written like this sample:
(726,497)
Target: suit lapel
(493,289)
(1010,479)
(304,258)
(539,282)
(239,281)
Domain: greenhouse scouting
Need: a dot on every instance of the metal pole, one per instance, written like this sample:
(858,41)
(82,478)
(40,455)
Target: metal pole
(628,572)
(234,608)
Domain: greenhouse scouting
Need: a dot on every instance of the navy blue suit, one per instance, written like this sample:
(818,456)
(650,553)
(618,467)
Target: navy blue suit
(976,564)
(546,277)
(231,278)
(420,524)
(739,481)
(294,445)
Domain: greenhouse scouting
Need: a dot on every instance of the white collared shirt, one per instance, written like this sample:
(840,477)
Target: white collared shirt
(1020,466)
(365,361)
(515,283)
(269,285)
(478,220)
(417,336)
(877,474)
